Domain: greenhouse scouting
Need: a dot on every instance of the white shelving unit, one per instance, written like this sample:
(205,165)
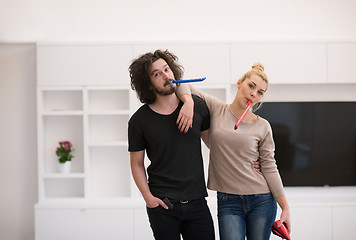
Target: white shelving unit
(95,120)
(108,159)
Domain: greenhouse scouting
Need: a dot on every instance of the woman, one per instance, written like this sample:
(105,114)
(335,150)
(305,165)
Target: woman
(246,196)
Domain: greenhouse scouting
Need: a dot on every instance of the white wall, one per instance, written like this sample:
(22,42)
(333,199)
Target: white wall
(141,20)
(18,148)
(134,20)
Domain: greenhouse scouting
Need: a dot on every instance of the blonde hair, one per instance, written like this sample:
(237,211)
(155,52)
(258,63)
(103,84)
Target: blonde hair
(258,69)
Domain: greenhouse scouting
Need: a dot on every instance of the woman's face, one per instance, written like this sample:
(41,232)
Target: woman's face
(251,89)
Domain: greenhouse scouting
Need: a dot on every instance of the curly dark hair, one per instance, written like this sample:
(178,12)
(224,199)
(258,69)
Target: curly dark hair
(140,78)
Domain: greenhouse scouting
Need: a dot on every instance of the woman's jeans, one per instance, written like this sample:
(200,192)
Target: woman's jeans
(246,215)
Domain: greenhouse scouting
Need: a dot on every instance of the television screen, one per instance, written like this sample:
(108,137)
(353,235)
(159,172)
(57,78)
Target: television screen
(315,141)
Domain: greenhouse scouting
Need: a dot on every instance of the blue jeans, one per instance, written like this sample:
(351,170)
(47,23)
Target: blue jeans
(246,215)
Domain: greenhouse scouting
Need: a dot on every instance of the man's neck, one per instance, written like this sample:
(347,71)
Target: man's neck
(165,105)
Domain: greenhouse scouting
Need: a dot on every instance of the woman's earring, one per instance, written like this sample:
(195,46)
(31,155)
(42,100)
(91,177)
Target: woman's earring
(257,106)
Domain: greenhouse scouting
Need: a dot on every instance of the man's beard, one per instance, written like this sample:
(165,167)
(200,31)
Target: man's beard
(165,92)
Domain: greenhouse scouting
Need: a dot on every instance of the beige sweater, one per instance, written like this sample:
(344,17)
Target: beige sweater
(232,152)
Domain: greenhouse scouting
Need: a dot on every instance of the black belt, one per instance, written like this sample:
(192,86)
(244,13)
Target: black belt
(169,202)
(178,201)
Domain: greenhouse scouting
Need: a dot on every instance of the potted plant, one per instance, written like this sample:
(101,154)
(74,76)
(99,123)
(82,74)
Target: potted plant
(64,152)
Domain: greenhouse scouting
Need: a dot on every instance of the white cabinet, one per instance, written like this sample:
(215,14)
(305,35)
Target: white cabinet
(284,62)
(312,222)
(342,62)
(142,229)
(94,120)
(344,222)
(84,96)
(83,64)
(210,60)
(89,224)
(221,91)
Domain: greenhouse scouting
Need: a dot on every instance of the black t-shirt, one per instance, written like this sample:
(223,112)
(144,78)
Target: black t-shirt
(176,164)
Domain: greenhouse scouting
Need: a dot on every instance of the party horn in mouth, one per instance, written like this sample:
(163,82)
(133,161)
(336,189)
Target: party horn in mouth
(243,115)
(187,80)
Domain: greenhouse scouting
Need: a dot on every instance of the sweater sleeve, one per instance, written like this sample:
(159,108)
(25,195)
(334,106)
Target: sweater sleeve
(269,166)
(183,89)
(210,100)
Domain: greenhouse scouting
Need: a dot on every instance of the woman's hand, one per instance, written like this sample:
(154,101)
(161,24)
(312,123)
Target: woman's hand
(285,218)
(285,215)
(256,165)
(185,117)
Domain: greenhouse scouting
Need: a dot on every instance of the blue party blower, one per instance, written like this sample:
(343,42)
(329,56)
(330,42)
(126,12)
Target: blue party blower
(188,80)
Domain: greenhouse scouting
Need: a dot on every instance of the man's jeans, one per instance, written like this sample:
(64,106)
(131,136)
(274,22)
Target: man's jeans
(190,219)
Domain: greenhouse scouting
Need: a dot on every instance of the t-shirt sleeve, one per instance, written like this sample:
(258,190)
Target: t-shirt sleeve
(135,136)
(203,110)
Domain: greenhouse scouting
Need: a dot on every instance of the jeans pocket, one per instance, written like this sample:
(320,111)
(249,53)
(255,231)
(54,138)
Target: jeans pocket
(153,207)
(264,195)
(221,196)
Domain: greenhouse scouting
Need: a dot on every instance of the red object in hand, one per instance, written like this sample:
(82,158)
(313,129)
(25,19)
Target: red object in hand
(243,115)
(280,231)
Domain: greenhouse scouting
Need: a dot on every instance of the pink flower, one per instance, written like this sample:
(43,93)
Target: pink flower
(64,151)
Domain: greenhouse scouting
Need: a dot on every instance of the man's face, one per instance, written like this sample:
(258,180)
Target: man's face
(160,74)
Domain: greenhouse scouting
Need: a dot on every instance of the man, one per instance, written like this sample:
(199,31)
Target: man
(175,190)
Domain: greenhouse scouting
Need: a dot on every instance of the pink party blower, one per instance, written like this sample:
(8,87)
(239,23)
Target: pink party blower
(280,231)
(243,114)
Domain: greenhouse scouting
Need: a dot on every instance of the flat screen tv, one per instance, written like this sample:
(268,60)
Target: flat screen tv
(315,142)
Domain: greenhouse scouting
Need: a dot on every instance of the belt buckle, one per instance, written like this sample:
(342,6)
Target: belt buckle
(183,201)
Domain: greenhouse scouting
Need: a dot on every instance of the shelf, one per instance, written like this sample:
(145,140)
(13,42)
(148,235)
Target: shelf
(62,100)
(92,203)
(109,172)
(110,112)
(108,100)
(108,128)
(62,128)
(62,113)
(62,175)
(109,144)
(64,188)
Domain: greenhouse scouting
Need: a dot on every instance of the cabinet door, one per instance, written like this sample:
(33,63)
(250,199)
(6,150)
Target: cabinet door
(344,219)
(342,63)
(311,222)
(142,225)
(199,60)
(284,62)
(86,224)
(69,65)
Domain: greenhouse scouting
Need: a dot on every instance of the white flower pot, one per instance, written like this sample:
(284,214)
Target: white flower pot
(64,167)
